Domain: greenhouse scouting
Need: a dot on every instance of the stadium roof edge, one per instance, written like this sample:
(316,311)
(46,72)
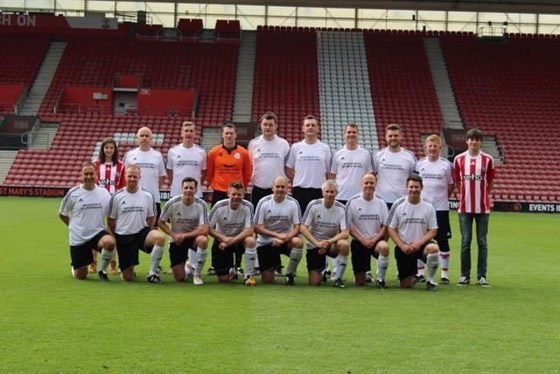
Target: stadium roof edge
(511,6)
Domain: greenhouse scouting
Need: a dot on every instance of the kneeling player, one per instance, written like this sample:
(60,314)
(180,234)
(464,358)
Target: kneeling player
(189,228)
(324,227)
(231,225)
(366,217)
(412,226)
(83,210)
(131,218)
(277,221)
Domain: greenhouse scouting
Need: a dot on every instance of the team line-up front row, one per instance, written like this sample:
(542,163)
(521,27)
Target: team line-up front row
(132,219)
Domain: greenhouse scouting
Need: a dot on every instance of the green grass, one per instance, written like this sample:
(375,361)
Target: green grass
(50,322)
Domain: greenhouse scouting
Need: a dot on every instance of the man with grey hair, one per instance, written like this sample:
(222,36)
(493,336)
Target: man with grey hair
(277,223)
(324,227)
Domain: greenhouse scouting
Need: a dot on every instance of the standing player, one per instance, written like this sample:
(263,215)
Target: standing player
(83,210)
(367,215)
(308,164)
(324,227)
(110,175)
(277,222)
(231,226)
(437,175)
(188,217)
(350,164)
(131,218)
(412,226)
(186,160)
(228,162)
(393,165)
(150,163)
(268,153)
(474,172)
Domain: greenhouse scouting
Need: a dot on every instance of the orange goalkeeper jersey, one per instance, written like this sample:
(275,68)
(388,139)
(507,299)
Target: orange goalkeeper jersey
(226,166)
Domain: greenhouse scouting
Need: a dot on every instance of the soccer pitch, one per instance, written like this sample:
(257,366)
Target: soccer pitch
(50,322)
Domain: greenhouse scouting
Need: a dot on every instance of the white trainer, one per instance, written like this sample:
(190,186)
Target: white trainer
(197,280)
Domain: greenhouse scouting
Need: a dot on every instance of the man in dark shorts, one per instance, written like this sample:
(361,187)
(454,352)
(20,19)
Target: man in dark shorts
(324,227)
(231,225)
(412,225)
(188,216)
(367,215)
(83,210)
(132,214)
(277,221)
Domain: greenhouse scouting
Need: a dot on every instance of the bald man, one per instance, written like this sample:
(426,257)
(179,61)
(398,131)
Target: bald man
(150,163)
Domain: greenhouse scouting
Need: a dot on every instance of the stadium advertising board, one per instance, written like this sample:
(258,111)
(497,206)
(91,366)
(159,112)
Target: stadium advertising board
(499,206)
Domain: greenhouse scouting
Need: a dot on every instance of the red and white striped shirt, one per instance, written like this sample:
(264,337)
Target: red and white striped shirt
(474,176)
(109,176)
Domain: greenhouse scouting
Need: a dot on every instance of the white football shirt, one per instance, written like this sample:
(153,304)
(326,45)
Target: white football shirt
(269,158)
(392,169)
(86,210)
(323,222)
(186,162)
(437,176)
(310,163)
(131,210)
(368,217)
(350,166)
(231,222)
(184,218)
(151,168)
(412,221)
(277,217)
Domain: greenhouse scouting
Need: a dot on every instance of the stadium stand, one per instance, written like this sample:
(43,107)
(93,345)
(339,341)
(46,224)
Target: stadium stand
(21,58)
(401,86)
(286,77)
(96,61)
(507,89)
(510,90)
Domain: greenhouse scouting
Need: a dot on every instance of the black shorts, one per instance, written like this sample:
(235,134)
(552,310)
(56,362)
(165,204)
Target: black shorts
(128,246)
(315,260)
(444,228)
(305,195)
(224,260)
(269,256)
(179,253)
(406,264)
(218,195)
(361,256)
(258,193)
(81,255)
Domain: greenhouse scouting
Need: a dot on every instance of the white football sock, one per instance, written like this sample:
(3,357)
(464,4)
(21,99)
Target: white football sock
(104,259)
(155,259)
(201,255)
(420,267)
(444,260)
(340,263)
(295,257)
(250,260)
(433,262)
(382,265)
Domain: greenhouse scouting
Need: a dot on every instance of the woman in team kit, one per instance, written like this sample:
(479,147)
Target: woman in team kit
(110,175)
